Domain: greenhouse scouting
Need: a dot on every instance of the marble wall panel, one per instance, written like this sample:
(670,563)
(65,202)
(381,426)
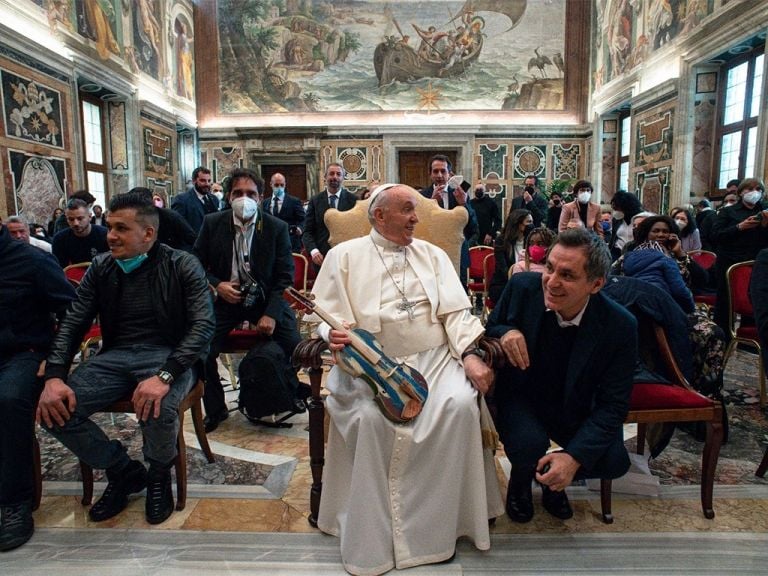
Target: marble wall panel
(653,151)
(565,161)
(39,184)
(223,160)
(32,110)
(704,114)
(363,161)
(158,153)
(118,136)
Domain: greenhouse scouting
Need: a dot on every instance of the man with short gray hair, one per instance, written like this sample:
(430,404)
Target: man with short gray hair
(571,353)
(18,228)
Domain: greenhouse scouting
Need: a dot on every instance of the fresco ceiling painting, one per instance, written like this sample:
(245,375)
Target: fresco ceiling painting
(297,56)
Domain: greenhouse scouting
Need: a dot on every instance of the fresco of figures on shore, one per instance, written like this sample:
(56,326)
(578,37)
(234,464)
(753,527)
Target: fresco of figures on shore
(375,55)
(626,32)
(154,37)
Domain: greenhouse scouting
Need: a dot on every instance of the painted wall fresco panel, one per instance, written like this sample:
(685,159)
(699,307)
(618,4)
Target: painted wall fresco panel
(97,21)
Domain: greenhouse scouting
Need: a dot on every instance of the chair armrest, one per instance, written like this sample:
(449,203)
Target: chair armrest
(308,353)
(495,354)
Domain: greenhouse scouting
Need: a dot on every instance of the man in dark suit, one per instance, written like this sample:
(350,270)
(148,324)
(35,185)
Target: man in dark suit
(532,200)
(198,201)
(241,248)
(316,233)
(440,171)
(286,207)
(758,292)
(572,353)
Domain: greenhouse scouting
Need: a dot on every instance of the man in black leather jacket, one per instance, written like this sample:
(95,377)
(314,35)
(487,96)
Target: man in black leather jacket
(156,317)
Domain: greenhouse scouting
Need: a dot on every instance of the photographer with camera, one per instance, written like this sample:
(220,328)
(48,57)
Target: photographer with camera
(286,207)
(532,200)
(246,254)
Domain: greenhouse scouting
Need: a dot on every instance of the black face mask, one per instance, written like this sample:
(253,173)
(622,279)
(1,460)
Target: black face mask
(479,193)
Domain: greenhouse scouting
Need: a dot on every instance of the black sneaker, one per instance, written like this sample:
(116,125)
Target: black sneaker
(159,504)
(16,525)
(131,479)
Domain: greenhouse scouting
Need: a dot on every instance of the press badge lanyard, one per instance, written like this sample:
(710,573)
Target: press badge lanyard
(243,242)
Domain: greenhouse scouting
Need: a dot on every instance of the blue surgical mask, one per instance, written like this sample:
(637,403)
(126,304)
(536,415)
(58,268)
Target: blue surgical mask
(278,191)
(606,225)
(128,265)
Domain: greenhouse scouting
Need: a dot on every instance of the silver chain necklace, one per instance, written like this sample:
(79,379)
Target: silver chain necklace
(404,305)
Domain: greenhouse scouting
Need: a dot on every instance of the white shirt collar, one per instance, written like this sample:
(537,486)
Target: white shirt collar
(576,319)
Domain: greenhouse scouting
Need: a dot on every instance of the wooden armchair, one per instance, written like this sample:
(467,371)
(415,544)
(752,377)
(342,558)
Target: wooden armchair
(444,228)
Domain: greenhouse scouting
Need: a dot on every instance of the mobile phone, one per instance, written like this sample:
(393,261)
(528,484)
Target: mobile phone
(759,216)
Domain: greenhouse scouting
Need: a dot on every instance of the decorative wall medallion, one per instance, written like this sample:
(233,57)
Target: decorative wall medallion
(32,111)
(157,152)
(530,160)
(354,162)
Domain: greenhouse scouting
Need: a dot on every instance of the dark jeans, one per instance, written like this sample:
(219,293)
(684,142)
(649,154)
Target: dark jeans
(19,391)
(525,430)
(229,316)
(108,377)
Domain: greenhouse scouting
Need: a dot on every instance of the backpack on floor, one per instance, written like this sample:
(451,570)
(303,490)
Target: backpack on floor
(266,386)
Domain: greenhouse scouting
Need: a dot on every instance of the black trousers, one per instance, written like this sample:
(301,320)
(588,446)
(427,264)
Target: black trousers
(229,316)
(525,430)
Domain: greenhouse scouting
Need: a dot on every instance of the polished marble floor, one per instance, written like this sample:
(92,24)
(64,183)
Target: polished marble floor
(227,529)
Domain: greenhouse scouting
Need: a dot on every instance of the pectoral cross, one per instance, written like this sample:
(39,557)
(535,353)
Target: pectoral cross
(407,306)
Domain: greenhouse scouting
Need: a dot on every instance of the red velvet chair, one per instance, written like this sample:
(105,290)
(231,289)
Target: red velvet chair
(706,260)
(75,272)
(655,402)
(489,267)
(476,273)
(739,307)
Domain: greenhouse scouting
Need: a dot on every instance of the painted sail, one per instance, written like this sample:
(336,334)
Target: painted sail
(512,9)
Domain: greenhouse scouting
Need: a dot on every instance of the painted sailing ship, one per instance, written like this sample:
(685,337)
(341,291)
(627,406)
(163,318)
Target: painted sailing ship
(394,60)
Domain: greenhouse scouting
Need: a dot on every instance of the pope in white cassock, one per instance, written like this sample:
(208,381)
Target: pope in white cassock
(399,495)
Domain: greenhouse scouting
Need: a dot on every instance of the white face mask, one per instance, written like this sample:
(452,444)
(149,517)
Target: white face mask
(752,197)
(584,197)
(245,208)
(618,215)
(681,224)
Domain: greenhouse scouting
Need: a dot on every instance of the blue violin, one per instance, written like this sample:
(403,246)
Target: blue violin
(399,390)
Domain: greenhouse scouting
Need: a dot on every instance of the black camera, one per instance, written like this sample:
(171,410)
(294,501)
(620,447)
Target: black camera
(253,295)
(293,230)
(530,190)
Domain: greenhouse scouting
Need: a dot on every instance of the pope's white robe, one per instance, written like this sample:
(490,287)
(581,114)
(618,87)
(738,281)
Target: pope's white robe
(400,495)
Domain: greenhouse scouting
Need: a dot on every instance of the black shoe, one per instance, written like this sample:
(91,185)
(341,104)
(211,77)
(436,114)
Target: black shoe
(16,525)
(556,503)
(520,501)
(212,422)
(159,505)
(128,480)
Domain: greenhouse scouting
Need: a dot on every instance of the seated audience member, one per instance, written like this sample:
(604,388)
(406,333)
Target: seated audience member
(689,232)
(287,208)
(729,200)
(156,319)
(509,248)
(173,229)
(605,224)
(98,216)
(740,232)
(381,493)
(58,213)
(581,400)
(581,212)
(18,228)
(625,205)
(32,288)
(61,222)
(82,240)
(536,245)
(247,257)
(649,262)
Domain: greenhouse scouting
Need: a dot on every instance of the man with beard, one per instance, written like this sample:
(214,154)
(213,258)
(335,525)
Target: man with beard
(316,233)
(198,201)
(82,240)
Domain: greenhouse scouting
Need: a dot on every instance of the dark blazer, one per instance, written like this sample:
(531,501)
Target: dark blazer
(316,233)
(292,213)
(600,368)
(270,256)
(538,207)
(192,209)
(471,228)
(758,292)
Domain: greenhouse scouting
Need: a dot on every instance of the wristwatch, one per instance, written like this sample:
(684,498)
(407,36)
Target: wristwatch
(165,376)
(475,351)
